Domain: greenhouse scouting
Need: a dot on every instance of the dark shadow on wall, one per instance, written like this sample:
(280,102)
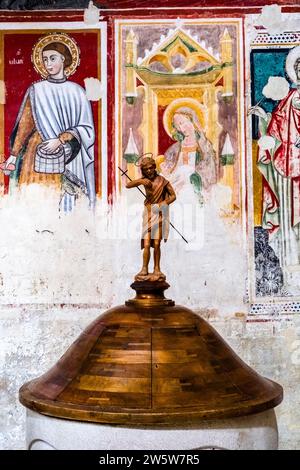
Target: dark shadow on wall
(42,4)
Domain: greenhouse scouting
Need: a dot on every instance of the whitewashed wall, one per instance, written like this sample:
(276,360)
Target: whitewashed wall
(91,258)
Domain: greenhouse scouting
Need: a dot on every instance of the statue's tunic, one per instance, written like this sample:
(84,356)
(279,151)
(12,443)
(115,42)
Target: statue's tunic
(155,223)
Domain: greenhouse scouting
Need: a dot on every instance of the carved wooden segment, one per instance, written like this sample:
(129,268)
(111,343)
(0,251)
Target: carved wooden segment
(53,382)
(117,371)
(182,368)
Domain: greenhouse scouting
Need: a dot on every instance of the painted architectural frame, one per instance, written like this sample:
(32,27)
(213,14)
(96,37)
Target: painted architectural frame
(194,67)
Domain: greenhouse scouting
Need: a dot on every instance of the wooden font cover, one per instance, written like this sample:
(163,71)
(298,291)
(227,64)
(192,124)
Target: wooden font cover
(149,362)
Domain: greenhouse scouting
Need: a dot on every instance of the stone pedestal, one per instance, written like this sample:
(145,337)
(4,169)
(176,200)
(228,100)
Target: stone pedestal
(255,432)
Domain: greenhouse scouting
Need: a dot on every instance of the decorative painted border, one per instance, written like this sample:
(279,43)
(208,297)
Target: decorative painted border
(274,308)
(277,40)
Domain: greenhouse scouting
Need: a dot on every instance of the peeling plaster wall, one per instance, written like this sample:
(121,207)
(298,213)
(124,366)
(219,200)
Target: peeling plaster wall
(50,257)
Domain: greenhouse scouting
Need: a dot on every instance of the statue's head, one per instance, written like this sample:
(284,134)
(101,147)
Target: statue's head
(297,68)
(148,167)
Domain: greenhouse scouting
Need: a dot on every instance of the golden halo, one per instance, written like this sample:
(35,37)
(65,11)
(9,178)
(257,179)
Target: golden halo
(182,103)
(292,56)
(141,157)
(36,56)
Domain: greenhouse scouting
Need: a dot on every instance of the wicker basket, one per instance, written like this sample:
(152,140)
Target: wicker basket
(51,163)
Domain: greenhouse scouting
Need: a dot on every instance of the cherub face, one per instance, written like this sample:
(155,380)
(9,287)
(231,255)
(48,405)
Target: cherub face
(183,124)
(53,62)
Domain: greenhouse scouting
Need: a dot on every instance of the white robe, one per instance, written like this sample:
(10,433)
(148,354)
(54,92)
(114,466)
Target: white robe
(187,210)
(64,107)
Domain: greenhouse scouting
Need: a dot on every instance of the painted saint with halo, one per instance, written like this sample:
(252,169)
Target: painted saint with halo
(279,163)
(53,138)
(190,162)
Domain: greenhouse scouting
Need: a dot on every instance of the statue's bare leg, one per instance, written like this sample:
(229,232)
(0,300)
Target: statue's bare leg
(157,271)
(146,258)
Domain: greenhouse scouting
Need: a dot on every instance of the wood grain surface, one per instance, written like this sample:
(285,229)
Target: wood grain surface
(143,365)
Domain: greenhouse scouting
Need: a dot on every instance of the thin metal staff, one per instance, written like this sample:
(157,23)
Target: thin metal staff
(145,196)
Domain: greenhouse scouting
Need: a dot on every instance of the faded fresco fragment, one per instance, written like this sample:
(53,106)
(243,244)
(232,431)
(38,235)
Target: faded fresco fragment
(275,80)
(50,128)
(179,100)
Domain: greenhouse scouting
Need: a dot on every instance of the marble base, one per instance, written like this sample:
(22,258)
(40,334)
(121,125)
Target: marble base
(253,432)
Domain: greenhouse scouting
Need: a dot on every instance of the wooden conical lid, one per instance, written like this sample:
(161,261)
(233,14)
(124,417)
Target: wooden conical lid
(149,362)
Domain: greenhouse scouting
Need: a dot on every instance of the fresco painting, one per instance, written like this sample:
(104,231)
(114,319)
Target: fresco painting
(178,99)
(275,111)
(51,131)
